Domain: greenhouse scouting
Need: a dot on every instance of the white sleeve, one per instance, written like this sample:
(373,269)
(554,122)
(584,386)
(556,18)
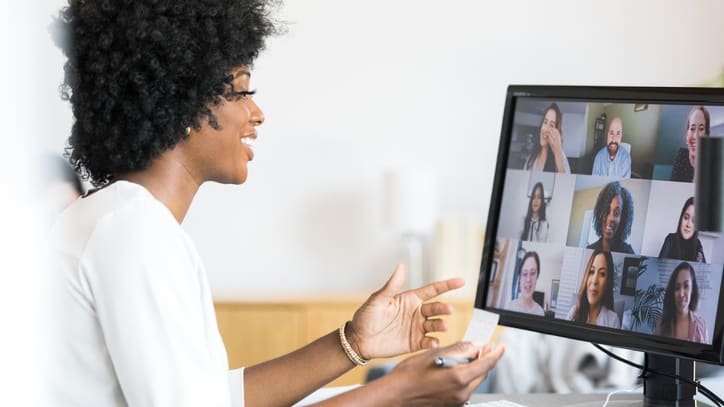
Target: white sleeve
(566,164)
(544,231)
(236,387)
(147,296)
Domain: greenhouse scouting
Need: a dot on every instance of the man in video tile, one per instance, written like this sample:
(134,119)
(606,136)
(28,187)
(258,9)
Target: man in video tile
(613,160)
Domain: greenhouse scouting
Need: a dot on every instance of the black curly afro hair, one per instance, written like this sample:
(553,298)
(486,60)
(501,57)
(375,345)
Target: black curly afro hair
(139,72)
(600,212)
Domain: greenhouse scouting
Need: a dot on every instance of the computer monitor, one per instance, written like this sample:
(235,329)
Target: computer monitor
(592,210)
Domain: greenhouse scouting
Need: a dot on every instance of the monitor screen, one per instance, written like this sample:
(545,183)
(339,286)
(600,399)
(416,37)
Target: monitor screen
(592,231)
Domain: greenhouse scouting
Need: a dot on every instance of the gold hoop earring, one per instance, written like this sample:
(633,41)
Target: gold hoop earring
(188,130)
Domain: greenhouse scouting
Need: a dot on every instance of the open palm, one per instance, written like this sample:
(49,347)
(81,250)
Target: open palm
(391,322)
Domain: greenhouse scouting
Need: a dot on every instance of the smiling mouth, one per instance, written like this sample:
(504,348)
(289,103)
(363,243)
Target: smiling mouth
(249,141)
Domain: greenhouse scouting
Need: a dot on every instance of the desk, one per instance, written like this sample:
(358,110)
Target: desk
(570,400)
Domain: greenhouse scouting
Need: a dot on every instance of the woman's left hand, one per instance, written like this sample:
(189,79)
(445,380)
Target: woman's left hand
(392,323)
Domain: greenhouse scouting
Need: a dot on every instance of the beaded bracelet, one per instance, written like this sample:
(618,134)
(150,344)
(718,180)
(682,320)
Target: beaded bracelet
(351,354)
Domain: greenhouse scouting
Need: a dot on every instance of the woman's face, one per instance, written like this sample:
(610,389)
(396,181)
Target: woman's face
(613,218)
(682,292)
(528,278)
(224,153)
(550,120)
(687,223)
(536,200)
(596,280)
(695,129)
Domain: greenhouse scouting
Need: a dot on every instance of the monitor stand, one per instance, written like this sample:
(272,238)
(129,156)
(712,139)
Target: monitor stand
(663,391)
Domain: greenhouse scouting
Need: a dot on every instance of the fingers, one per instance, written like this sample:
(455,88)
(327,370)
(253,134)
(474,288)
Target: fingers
(461,350)
(434,289)
(434,309)
(396,281)
(429,342)
(495,353)
(452,383)
(487,361)
(434,325)
(431,325)
(486,357)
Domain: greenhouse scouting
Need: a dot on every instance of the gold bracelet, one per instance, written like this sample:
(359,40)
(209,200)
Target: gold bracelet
(351,354)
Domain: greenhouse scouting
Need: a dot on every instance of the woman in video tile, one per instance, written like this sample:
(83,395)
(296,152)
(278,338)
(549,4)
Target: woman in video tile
(678,318)
(684,244)
(548,154)
(697,125)
(613,216)
(595,295)
(528,278)
(535,225)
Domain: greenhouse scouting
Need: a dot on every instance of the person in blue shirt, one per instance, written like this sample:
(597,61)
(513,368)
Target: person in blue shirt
(612,160)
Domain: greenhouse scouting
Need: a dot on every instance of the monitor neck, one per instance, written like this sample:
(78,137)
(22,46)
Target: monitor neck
(664,391)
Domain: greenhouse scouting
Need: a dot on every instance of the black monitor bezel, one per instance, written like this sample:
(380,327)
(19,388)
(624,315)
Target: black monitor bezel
(713,353)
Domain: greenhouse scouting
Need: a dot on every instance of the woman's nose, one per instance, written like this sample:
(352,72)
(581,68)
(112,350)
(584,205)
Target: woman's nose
(256,116)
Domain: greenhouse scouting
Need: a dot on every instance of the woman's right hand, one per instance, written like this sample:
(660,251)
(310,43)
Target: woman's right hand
(426,384)
(555,140)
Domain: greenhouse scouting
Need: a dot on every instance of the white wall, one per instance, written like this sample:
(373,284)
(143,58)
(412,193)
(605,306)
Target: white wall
(21,293)
(358,88)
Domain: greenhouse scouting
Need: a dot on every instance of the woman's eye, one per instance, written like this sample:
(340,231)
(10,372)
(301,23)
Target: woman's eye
(244,93)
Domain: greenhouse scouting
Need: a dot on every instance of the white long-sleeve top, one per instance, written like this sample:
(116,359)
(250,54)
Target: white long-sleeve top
(134,322)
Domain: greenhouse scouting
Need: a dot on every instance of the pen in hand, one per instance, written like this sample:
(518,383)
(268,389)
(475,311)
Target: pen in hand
(448,361)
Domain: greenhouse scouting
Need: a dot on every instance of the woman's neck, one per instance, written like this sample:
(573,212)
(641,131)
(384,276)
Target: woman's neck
(606,244)
(682,324)
(593,312)
(528,302)
(682,315)
(170,181)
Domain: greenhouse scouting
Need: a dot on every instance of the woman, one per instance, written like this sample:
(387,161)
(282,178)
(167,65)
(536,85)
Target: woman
(697,125)
(527,279)
(548,154)
(595,295)
(535,225)
(678,318)
(684,244)
(612,219)
(161,94)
